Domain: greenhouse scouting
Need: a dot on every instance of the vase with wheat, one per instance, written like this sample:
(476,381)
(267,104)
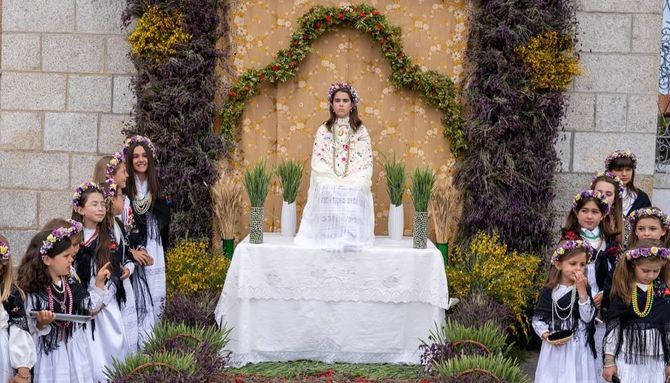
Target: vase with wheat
(444,208)
(257,183)
(422,187)
(227,197)
(290,174)
(395,185)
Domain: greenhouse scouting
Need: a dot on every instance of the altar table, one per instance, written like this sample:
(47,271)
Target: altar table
(285,302)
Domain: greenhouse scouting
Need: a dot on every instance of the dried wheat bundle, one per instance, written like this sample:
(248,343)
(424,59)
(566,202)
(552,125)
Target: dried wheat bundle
(227,196)
(445,208)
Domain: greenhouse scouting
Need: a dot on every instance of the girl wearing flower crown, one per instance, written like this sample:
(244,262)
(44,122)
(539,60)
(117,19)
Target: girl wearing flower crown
(107,335)
(637,342)
(63,354)
(138,298)
(113,167)
(586,222)
(17,349)
(147,219)
(622,164)
(341,171)
(612,188)
(650,223)
(564,319)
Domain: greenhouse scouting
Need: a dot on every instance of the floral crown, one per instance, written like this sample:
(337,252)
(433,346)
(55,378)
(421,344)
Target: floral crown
(620,154)
(59,234)
(644,252)
(112,188)
(137,139)
(343,85)
(84,187)
(4,251)
(613,178)
(598,196)
(117,158)
(569,246)
(649,212)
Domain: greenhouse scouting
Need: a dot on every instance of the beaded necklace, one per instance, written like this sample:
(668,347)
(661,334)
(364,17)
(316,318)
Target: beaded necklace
(556,308)
(65,305)
(647,306)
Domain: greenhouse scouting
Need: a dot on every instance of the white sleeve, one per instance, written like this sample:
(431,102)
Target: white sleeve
(540,326)
(586,311)
(610,341)
(99,298)
(21,348)
(32,322)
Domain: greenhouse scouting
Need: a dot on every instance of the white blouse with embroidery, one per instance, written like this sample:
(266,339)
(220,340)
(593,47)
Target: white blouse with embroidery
(339,213)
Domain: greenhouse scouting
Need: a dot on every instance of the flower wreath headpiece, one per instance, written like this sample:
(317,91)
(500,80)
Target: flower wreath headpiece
(612,177)
(620,154)
(343,85)
(59,234)
(84,187)
(644,252)
(140,139)
(568,246)
(117,158)
(599,197)
(4,252)
(649,212)
(112,188)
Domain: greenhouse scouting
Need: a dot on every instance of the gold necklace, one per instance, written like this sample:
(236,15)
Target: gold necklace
(335,145)
(647,306)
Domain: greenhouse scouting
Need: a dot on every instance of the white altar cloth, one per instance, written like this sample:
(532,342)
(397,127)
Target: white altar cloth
(285,302)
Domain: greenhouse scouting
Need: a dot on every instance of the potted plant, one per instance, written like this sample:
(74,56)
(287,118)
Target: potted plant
(290,174)
(257,182)
(395,185)
(422,187)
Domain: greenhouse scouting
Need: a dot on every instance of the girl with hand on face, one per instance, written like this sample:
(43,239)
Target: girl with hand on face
(17,348)
(565,311)
(63,355)
(107,337)
(586,223)
(146,218)
(637,342)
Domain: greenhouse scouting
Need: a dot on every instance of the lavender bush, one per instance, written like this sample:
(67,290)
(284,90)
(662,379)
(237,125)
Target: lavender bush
(507,173)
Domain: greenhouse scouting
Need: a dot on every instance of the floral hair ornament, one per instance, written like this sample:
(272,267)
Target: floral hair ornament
(340,86)
(112,187)
(117,158)
(83,188)
(568,246)
(59,234)
(137,139)
(647,212)
(598,196)
(620,154)
(4,252)
(645,252)
(613,178)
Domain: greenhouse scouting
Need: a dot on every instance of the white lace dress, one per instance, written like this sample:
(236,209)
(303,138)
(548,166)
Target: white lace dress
(339,214)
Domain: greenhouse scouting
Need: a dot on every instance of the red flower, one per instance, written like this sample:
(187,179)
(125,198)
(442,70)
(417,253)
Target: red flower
(232,94)
(340,16)
(666,292)
(275,67)
(328,19)
(326,374)
(112,246)
(245,88)
(362,14)
(571,235)
(375,12)
(261,77)
(317,25)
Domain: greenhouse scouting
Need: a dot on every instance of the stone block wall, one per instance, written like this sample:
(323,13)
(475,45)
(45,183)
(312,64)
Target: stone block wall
(613,104)
(64,98)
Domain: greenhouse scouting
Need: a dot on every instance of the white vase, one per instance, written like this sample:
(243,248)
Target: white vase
(396,222)
(288,219)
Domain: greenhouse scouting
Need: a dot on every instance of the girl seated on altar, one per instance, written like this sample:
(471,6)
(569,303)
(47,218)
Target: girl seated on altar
(339,212)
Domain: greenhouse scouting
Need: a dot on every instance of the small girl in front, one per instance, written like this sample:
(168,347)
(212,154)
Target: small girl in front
(650,223)
(63,355)
(564,319)
(637,341)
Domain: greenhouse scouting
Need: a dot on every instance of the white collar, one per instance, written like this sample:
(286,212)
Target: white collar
(642,287)
(342,121)
(88,233)
(141,186)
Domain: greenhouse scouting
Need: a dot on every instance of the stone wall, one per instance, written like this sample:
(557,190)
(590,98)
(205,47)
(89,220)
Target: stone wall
(613,104)
(64,97)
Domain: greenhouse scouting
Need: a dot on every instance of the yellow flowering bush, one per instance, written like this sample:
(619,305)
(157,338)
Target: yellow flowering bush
(509,277)
(192,268)
(157,34)
(550,59)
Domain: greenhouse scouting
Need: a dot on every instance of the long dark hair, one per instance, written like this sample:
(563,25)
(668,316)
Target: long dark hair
(615,217)
(625,162)
(102,255)
(152,172)
(33,275)
(572,223)
(354,120)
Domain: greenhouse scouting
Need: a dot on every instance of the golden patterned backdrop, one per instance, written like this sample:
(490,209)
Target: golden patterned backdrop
(280,123)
